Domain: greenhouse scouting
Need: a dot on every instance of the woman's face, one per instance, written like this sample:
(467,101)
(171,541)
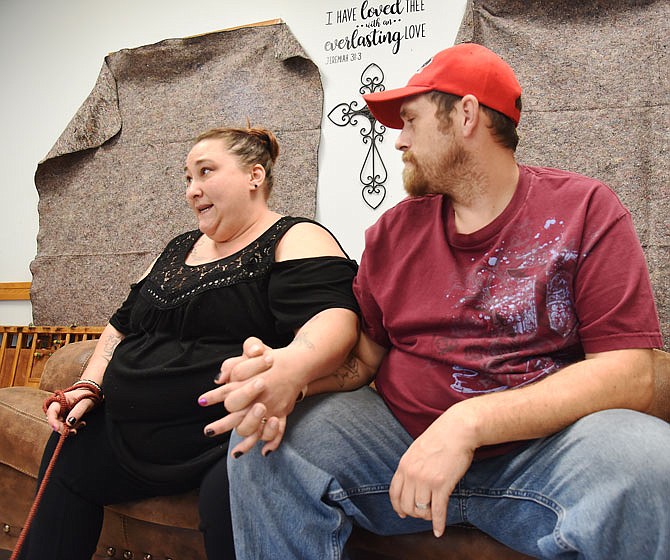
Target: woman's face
(217,189)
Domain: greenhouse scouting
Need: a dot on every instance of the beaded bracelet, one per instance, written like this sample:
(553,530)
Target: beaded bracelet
(88,382)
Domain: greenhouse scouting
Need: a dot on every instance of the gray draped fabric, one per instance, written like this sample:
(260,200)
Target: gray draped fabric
(595,79)
(595,93)
(112,189)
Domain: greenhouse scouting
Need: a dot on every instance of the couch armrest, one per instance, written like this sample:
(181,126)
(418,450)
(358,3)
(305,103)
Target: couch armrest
(66,365)
(23,428)
(661,404)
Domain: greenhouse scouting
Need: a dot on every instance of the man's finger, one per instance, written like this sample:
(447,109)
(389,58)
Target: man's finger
(439,513)
(395,491)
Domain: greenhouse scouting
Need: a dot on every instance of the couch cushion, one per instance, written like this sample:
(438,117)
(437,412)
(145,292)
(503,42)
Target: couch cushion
(457,543)
(17,491)
(174,511)
(25,429)
(660,406)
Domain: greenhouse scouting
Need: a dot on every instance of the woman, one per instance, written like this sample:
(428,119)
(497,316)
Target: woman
(245,271)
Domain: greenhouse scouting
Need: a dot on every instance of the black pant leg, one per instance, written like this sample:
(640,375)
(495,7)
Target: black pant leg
(86,477)
(215,521)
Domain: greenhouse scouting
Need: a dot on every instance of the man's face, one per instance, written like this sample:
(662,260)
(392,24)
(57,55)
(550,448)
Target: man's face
(434,157)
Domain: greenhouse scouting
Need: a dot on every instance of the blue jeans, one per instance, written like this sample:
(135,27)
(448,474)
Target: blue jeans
(599,489)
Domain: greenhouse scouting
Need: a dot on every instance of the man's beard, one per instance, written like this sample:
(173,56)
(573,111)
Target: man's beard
(443,175)
(413,177)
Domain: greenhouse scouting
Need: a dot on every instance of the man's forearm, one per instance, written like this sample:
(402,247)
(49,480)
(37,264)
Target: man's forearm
(617,379)
(357,370)
(351,375)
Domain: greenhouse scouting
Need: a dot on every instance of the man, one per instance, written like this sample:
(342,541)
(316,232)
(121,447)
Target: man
(508,321)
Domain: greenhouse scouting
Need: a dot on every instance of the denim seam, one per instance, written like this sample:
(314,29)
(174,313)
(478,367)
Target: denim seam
(335,538)
(461,495)
(342,494)
(535,497)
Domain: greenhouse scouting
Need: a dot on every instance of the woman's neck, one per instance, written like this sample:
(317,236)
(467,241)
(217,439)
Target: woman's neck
(209,249)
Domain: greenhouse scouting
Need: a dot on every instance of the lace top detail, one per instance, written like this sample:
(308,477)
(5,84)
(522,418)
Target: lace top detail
(172,281)
(182,322)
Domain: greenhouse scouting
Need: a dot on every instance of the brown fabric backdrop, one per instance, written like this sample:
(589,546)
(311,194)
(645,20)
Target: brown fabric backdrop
(595,94)
(111,189)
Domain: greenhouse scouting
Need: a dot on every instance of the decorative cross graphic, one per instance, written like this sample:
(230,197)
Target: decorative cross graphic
(373,171)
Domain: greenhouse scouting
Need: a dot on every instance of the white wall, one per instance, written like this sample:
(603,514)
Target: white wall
(51,52)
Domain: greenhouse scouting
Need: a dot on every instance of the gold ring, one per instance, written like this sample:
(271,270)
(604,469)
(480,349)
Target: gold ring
(264,420)
(421,506)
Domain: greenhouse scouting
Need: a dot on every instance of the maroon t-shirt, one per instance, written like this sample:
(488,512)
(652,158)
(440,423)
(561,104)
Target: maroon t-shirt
(559,273)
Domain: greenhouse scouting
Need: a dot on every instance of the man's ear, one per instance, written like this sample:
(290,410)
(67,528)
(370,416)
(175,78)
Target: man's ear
(471,113)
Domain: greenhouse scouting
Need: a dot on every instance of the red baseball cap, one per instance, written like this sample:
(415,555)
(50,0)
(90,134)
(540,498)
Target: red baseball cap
(467,68)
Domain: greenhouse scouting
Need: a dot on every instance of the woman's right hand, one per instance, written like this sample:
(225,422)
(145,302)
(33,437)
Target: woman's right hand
(253,361)
(76,411)
(249,417)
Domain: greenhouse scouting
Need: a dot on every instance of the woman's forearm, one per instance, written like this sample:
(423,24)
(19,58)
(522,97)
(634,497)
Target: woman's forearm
(320,345)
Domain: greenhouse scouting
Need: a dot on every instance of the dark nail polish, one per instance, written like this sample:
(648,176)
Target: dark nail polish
(209,432)
(237,454)
(71,421)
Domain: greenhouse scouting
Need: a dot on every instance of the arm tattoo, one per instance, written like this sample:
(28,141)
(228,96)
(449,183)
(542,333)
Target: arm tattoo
(302,339)
(347,371)
(109,344)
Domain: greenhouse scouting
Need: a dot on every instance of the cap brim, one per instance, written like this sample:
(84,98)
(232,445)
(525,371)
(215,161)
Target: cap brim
(385,105)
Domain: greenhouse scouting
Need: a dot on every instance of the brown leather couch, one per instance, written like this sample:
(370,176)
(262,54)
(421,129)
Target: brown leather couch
(167,528)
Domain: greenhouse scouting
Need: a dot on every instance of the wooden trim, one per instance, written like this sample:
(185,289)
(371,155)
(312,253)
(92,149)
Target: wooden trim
(257,24)
(267,22)
(14,291)
(24,351)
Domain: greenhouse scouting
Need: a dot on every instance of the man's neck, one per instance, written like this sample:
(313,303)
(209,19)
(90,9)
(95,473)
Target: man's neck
(496,184)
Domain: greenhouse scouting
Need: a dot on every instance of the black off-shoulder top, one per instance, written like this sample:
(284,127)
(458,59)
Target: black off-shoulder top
(182,321)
